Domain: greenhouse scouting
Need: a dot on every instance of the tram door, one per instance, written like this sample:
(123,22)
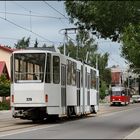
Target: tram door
(63,87)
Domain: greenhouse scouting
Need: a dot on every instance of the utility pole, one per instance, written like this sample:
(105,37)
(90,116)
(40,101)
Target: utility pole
(66,36)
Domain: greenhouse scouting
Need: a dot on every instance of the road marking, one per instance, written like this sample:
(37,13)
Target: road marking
(29,129)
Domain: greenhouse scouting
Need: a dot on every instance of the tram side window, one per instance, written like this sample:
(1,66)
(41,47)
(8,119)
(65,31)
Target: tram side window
(93,79)
(48,69)
(69,70)
(56,69)
(81,76)
(88,81)
(86,77)
(73,73)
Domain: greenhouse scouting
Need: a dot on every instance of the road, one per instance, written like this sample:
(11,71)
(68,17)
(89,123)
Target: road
(109,123)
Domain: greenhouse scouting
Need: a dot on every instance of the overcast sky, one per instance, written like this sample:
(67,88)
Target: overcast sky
(43,20)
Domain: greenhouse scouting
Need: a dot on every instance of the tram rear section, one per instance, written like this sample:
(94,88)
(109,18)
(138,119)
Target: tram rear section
(48,84)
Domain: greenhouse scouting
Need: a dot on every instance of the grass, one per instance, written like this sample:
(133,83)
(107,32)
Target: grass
(5,105)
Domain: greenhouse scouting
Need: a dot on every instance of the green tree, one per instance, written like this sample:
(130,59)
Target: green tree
(131,45)
(103,88)
(107,17)
(23,43)
(44,45)
(4,86)
(36,44)
(86,44)
(118,20)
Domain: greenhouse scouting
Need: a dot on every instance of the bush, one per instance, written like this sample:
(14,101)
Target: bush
(103,88)
(5,105)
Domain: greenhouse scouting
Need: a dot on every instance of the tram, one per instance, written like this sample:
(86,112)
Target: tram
(119,95)
(46,84)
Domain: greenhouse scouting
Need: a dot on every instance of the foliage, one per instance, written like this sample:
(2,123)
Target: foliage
(23,43)
(5,105)
(4,86)
(103,88)
(83,49)
(36,44)
(118,20)
(131,45)
(44,45)
(86,44)
(107,17)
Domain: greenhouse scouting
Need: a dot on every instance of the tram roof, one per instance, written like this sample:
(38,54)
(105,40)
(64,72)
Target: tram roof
(38,49)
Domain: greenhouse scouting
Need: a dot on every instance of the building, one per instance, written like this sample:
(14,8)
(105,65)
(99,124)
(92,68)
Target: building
(116,75)
(3,70)
(5,54)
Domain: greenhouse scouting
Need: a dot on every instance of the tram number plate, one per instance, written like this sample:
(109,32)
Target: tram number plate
(28,99)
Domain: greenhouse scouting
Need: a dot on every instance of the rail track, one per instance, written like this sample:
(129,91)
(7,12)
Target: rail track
(9,124)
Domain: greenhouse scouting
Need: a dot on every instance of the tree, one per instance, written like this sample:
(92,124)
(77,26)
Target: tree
(4,86)
(118,20)
(36,44)
(103,88)
(86,44)
(131,45)
(44,45)
(107,17)
(23,43)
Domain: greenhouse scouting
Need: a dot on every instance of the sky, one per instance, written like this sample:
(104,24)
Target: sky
(45,22)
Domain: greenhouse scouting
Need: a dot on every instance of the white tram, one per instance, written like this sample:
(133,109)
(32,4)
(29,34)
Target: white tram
(47,84)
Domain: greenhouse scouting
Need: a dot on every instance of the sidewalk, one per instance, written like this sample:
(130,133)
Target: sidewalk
(134,135)
(5,111)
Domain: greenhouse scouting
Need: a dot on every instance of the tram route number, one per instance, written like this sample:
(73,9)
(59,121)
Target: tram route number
(28,99)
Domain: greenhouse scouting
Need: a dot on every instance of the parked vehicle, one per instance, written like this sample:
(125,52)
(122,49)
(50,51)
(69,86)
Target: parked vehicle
(119,95)
(136,98)
(132,100)
(46,84)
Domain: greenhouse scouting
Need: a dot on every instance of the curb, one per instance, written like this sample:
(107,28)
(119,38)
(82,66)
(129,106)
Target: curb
(5,111)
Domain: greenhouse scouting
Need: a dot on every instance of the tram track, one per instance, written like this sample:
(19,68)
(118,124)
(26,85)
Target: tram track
(10,124)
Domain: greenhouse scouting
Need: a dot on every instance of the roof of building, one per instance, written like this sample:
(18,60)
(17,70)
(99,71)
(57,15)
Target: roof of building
(116,69)
(3,69)
(5,48)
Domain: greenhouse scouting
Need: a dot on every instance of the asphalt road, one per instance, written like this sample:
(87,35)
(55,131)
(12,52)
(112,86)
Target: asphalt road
(117,123)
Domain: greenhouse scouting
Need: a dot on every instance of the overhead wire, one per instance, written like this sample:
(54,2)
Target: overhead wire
(55,9)
(109,56)
(57,12)
(47,40)
(32,15)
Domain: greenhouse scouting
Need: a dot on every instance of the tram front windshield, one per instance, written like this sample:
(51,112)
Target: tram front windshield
(29,67)
(118,93)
